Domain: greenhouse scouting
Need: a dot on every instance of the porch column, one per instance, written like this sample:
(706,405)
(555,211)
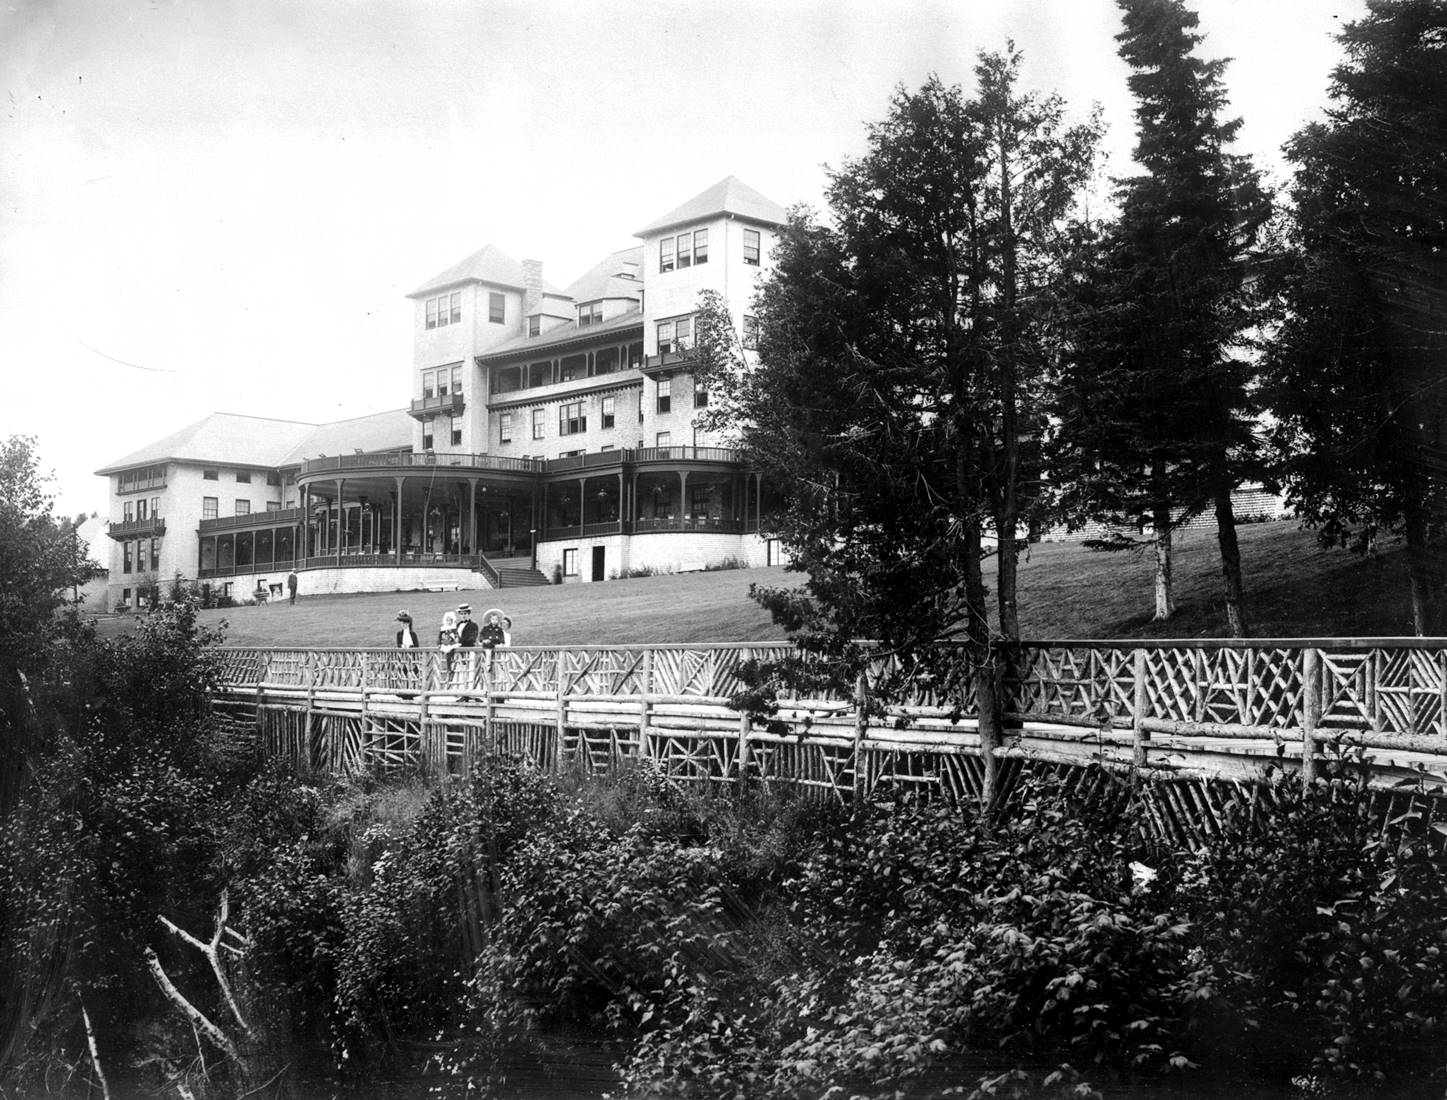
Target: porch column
(533,518)
(470,546)
(397,520)
(582,505)
(302,546)
(622,501)
(682,494)
(341,521)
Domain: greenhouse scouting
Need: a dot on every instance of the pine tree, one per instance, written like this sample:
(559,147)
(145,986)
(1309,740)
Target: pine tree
(1155,410)
(1356,370)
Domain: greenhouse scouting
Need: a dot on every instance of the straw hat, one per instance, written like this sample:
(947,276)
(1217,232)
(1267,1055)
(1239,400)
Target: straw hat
(464,609)
(403,617)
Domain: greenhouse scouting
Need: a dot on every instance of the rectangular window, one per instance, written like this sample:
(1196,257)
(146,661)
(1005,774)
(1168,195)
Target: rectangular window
(455,306)
(444,379)
(665,395)
(685,250)
(210,475)
(273,506)
(665,254)
(243,507)
(665,337)
(504,428)
(496,309)
(155,507)
(126,596)
(539,423)
(457,380)
(155,555)
(431,312)
(428,442)
(683,333)
(429,385)
(126,556)
(700,246)
(570,562)
(751,333)
(663,439)
(141,508)
(209,508)
(455,431)
(751,247)
(130,512)
(273,478)
(535,326)
(700,397)
(445,309)
(590,314)
(243,477)
(609,408)
(571,419)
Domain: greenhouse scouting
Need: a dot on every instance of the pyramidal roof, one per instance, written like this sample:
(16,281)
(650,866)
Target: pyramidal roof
(614,276)
(489,264)
(729,195)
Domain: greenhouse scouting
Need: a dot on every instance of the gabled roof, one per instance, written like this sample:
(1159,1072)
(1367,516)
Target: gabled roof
(729,196)
(488,264)
(617,275)
(221,437)
(562,335)
(383,431)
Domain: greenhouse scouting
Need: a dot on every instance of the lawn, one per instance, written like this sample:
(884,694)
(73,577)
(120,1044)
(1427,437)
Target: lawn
(1294,588)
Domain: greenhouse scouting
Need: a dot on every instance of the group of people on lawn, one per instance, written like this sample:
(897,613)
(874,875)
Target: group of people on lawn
(459,631)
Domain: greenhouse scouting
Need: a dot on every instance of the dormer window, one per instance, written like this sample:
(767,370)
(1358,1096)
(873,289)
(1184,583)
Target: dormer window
(590,314)
(535,325)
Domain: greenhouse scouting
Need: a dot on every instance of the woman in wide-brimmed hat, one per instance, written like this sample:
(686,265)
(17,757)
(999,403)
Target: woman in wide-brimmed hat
(491,634)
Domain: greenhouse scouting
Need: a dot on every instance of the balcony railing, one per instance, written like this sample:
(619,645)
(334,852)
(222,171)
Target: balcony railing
(396,461)
(149,528)
(669,360)
(632,455)
(424,408)
(252,521)
(686,523)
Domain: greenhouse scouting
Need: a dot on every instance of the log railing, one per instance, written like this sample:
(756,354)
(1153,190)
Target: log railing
(1189,708)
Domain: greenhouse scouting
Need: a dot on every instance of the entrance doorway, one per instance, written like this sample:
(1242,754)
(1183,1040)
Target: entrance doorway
(599,554)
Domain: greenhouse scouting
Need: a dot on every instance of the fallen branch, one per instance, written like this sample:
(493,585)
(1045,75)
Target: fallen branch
(105,1089)
(212,951)
(191,1012)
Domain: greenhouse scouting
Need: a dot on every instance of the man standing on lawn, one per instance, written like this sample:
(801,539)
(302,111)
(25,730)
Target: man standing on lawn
(466,628)
(291,585)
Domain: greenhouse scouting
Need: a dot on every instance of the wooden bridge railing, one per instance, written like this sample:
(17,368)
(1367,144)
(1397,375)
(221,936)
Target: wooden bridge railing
(1207,707)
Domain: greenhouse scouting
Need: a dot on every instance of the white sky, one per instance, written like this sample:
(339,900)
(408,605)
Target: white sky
(217,205)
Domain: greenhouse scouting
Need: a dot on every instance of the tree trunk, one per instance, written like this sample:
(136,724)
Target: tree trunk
(982,669)
(1007,514)
(1421,574)
(1230,558)
(1165,591)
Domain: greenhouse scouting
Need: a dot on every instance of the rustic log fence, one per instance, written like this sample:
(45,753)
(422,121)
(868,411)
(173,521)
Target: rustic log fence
(1199,712)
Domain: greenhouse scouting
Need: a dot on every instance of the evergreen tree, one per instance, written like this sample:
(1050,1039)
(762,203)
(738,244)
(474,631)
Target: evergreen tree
(1155,410)
(1356,370)
(895,403)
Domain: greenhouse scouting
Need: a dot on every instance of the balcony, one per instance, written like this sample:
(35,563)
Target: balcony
(425,408)
(152,527)
(252,521)
(669,361)
(629,456)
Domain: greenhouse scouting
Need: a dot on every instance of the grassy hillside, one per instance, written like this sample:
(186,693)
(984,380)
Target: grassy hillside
(1294,589)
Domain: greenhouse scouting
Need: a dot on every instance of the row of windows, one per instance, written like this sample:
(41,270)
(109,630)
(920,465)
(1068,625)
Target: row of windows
(442,381)
(691,249)
(678,333)
(134,557)
(685,250)
(454,433)
(590,314)
(573,415)
(211,507)
(137,509)
(148,477)
(446,309)
(243,477)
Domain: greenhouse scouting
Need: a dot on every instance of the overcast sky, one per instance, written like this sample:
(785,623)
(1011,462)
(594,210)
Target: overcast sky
(214,206)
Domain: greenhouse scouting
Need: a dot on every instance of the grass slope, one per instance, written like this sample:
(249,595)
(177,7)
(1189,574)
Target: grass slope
(1294,588)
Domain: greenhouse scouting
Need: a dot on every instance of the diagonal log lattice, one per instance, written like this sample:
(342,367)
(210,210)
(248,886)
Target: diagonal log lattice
(1211,718)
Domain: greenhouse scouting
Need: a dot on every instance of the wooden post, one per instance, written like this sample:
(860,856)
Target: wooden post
(1310,710)
(645,704)
(861,727)
(746,726)
(1139,734)
(561,715)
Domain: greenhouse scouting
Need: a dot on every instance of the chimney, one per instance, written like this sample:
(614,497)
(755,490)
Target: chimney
(533,281)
